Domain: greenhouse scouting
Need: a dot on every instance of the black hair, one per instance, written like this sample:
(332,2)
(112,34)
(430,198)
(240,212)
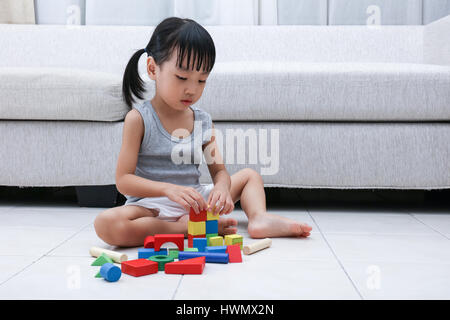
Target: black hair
(171,33)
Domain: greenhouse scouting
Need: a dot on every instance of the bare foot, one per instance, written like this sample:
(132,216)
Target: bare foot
(269,225)
(226,226)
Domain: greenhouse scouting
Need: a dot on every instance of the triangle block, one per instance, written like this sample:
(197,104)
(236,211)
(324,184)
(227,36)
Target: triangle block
(188,266)
(101,260)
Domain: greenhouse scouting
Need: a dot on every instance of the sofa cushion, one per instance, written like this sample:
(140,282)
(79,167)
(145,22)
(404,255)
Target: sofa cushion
(60,94)
(261,90)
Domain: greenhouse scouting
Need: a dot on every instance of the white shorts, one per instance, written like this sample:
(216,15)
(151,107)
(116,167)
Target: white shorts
(170,210)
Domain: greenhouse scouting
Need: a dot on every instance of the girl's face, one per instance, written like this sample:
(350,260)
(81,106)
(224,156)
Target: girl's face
(174,84)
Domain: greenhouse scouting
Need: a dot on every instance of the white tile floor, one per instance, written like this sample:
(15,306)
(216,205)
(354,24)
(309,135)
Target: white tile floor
(355,251)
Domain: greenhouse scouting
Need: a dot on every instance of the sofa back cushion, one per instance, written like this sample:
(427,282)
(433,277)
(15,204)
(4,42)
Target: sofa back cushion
(60,94)
(109,48)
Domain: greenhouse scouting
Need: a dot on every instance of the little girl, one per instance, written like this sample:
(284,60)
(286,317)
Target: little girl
(159,191)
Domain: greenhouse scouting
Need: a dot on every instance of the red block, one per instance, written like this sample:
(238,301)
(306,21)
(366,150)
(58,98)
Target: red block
(139,267)
(188,266)
(234,253)
(178,239)
(191,239)
(197,217)
(149,242)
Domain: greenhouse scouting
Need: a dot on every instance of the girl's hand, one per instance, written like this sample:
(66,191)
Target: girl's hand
(187,197)
(220,200)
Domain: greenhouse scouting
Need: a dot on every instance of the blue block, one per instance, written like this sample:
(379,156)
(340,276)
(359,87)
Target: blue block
(209,256)
(200,243)
(145,253)
(110,272)
(217,249)
(212,226)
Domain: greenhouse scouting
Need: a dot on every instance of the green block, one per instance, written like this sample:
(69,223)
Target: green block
(101,260)
(172,252)
(161,260)
(209,235)
(191,249)
(98,275)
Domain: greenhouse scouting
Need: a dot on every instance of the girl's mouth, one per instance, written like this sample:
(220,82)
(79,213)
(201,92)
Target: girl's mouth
(186,102)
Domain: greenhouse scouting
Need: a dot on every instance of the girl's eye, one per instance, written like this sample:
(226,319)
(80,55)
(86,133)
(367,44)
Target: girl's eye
(186,79)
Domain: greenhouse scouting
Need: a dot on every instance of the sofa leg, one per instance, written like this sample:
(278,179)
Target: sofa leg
(97,196)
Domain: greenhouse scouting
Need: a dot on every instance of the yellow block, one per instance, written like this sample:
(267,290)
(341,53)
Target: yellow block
(234,239)
(196,228)
(215,241)
(211,216)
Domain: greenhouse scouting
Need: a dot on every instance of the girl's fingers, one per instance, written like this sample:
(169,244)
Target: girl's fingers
(184,203)
(213,201)
(192,203)
(199,199)
(219,206)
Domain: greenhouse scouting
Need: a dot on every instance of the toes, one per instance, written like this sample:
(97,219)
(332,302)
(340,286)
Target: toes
(231,222)
(305,228)
(229,230)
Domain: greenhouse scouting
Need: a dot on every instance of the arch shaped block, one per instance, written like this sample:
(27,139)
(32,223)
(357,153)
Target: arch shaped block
(178,239)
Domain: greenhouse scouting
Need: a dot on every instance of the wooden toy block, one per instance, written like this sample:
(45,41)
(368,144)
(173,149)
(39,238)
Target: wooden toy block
(139,267)
(212,226)
(98,275)
(110,272)
(215,241)
(217,249)
(172,252)
(149,242)
(197,217)
(257,246)
(101,260)
(178,239)
(145,253)
(188,266)
(200,243)
(115,256)
(161,260)
(210,216)
(234,239)
(192,237)
(196,228)
(209,256)
(209,235)
(234,253)
(191,249)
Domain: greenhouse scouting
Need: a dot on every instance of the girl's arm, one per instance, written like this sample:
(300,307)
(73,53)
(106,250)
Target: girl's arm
(216,167)
(126,181)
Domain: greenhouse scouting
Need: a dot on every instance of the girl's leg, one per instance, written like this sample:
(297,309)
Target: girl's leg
(247,186)
(127,226)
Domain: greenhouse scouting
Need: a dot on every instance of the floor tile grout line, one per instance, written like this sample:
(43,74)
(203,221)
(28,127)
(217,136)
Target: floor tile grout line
(332,251)
(44,255)
(176,289)
(414,217)
(67,239)
(21,270)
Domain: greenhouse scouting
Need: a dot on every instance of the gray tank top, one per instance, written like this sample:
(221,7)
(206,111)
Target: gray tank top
(163,157)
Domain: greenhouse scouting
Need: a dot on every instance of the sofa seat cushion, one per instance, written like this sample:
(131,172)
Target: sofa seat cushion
(358,91)
(60,94)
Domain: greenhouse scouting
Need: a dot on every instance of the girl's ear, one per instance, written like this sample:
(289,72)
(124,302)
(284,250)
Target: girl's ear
(151,68)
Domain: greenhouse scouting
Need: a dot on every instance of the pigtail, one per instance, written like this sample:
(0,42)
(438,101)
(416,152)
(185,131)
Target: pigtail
(132,82)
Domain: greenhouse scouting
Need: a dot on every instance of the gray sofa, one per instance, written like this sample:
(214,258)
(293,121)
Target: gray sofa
(342,107)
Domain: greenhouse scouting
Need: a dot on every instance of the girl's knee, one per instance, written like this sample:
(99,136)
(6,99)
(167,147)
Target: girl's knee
(111,227)
(252,174)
